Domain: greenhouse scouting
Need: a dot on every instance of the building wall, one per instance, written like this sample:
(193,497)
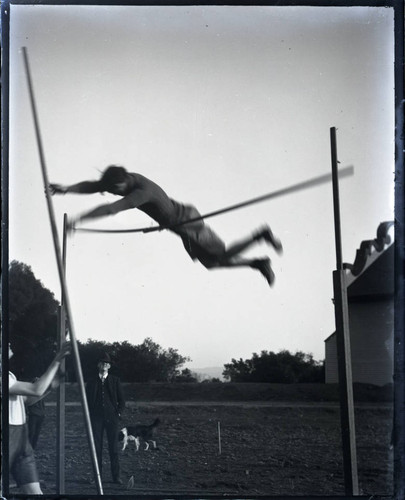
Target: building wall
(371,326)
(372,341)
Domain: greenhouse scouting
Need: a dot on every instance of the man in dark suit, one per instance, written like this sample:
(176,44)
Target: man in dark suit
(106,403)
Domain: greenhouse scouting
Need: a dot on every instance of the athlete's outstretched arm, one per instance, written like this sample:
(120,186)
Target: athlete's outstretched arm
(38,388)
(133,200)
(85,187)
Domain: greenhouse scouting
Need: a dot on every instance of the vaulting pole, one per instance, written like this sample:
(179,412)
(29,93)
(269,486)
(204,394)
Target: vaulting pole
(343,343)
(58,254)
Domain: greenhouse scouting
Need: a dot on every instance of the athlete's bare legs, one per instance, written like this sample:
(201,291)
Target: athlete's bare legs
(264,234)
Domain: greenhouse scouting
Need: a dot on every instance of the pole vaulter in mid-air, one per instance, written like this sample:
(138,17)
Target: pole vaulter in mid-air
(199,240)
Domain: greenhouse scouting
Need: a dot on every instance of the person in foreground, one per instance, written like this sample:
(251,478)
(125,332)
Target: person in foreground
(200,242)
(21,455)
(36,415)
(106,403)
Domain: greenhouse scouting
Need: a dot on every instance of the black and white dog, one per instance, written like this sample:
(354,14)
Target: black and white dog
(137,433)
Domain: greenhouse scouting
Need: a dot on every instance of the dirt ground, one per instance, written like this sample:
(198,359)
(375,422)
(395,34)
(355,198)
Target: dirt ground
(263,451)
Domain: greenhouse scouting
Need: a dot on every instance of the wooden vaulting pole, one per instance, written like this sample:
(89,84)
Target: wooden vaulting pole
(65,294)
(343,343)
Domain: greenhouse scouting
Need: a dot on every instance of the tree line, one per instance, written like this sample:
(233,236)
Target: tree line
(145,362)
(33,324)
(282,367)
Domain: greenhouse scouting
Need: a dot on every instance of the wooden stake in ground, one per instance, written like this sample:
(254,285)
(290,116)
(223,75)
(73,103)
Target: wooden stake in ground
(219,437)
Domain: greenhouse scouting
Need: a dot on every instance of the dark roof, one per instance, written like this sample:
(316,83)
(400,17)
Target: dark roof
(372,273)
(330,336)
(377,280)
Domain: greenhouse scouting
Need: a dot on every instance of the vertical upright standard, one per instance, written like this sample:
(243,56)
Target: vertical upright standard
(60,402)
(343,343)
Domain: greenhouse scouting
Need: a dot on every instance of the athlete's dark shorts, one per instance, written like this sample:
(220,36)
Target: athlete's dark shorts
(199,240)
(21,456)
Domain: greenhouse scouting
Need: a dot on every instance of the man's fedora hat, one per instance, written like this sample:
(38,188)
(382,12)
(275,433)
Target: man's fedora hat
(105,358)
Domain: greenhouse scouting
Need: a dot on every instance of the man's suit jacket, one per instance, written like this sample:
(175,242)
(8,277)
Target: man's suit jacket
(114,388)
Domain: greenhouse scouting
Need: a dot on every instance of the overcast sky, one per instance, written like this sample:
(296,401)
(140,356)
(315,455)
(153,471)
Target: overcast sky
(217,105)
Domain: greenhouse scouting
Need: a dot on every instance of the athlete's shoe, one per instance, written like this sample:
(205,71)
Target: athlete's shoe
(267,235)
(263,265)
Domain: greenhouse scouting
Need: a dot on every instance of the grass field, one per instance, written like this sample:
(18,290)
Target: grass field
(268,447)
